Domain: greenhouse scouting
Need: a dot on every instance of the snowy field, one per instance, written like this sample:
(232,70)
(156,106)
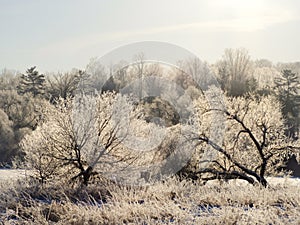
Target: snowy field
(13,174)
(172,202)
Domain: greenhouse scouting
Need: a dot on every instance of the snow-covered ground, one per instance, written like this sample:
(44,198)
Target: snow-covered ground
(271,180)
(284,180)
(13,174)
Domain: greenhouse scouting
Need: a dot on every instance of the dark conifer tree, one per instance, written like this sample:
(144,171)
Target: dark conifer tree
(287,91)
(32,82)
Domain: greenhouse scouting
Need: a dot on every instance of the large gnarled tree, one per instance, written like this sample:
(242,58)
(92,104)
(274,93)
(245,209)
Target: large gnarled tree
(253,144)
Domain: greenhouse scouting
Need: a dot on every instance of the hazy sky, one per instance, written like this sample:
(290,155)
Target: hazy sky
(59,35)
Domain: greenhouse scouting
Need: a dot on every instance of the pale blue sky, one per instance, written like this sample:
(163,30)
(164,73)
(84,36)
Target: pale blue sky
(61,35)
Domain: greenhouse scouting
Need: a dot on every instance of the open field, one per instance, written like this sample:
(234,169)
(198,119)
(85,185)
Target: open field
(150,112)
(15,174)
(169,202)
(12,174)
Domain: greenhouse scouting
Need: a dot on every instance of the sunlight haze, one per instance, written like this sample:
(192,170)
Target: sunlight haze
(61,35)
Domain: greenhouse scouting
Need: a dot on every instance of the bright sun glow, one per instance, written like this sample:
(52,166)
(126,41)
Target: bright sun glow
(250,15)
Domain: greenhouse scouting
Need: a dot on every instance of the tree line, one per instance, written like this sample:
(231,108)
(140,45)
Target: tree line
(261,111)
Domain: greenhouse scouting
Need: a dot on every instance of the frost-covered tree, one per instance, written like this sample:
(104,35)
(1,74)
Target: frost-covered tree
(253,144)
(24,113)
(7,138)
(193,72)
(9,79)
(80,138)
(63,85)
(234,72)
(23,110)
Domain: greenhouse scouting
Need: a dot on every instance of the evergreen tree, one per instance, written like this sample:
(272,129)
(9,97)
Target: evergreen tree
(32,82)
(287,87)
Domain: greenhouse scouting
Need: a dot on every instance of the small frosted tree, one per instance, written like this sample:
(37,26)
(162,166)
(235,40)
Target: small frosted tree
(79,138)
